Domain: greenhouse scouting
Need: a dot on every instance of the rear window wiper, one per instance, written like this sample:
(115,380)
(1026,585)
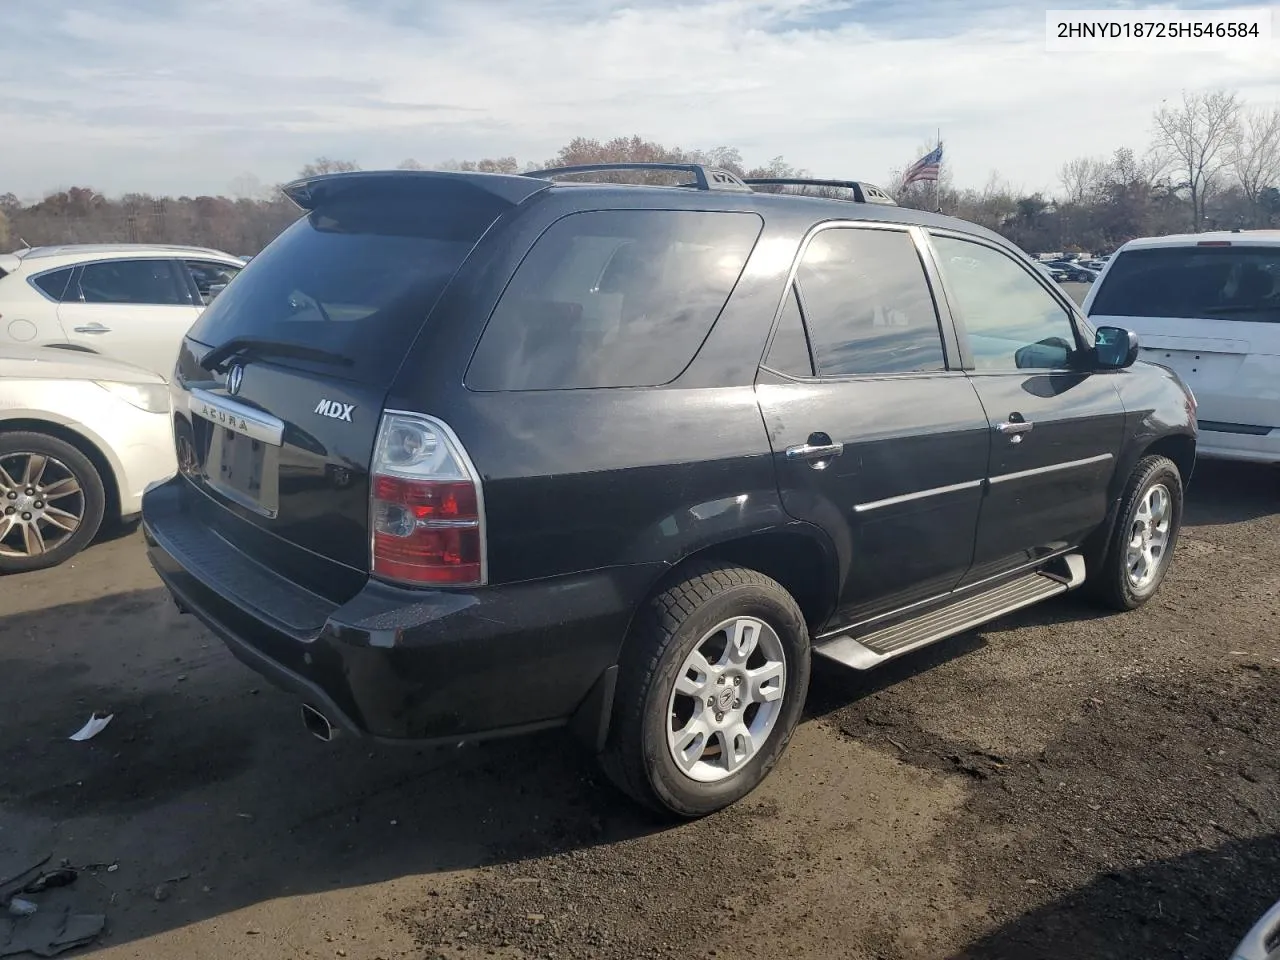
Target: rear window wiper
(236,346)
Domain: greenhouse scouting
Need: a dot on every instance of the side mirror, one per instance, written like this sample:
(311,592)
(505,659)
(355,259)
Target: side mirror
(1115,348)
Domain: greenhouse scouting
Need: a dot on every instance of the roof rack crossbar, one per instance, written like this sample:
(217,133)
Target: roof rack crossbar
(704,177)
(800,182)
(863,192)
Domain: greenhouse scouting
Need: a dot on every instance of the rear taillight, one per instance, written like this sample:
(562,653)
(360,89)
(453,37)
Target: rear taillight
(426,505)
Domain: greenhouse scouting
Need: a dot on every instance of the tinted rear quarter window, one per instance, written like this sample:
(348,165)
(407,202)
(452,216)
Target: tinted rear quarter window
(358,276)
(54,284)
(789,352)
(613,298)
(1226,283)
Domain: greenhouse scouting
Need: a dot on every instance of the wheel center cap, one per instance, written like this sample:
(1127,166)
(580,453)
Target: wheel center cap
(724,699)
(24,502)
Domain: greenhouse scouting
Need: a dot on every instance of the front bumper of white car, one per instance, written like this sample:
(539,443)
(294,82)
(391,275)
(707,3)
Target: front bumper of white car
(1235,444)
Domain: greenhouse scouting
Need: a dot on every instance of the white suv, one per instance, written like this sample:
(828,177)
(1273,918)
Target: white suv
(129,302)
(1208,306)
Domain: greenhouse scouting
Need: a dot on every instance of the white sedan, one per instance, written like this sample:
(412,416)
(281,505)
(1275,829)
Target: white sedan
(127,301)
(81,438)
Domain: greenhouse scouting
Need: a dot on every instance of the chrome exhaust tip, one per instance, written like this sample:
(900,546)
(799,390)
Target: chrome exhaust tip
(317,723)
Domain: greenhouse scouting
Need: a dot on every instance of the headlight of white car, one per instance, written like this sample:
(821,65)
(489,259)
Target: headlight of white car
(151,397)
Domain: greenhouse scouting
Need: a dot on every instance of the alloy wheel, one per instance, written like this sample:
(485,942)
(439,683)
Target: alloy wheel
(41,504)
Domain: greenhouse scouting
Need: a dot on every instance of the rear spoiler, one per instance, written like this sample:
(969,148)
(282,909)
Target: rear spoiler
(9,262)
(311,192)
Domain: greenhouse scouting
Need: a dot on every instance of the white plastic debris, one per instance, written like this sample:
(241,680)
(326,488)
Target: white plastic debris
(97,723)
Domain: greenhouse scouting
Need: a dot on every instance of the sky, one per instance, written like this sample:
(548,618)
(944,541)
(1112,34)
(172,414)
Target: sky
(198,96)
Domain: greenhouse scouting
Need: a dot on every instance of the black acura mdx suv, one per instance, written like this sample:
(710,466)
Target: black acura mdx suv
(465,455)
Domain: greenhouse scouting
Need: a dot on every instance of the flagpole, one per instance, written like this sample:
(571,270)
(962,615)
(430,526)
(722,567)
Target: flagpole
(937,184)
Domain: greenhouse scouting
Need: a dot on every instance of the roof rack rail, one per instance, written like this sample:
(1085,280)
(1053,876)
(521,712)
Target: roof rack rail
(863,192)
(704,177)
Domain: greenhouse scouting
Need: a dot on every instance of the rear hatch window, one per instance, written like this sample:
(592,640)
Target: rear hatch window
(355,277)
(1201,282)
(315,328)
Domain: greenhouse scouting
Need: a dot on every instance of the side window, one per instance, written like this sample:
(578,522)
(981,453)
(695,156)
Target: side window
(54,284)
(1013,323)
(210,277)
(132,281)
(789,352)
(867,304)
(613,298)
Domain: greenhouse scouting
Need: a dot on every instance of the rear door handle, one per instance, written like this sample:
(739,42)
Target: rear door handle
(93,328)
(815,452)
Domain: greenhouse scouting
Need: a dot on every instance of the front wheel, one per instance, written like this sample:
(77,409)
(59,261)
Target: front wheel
(711,686)
(51,501)
(1137,557)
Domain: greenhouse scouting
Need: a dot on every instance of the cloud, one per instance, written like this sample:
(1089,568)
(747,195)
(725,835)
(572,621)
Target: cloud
(182,95)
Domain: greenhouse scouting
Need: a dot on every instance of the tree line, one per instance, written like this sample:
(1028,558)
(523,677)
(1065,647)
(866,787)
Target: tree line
(1212,163)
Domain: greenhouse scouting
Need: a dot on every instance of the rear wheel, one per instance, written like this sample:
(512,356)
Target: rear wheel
(712,683)
(1137,556)
(51,501)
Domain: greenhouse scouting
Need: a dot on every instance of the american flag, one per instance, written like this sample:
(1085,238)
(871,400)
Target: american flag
(926,168)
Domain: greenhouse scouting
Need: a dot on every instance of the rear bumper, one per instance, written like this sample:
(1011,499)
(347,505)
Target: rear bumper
(395,664)
(1215,445)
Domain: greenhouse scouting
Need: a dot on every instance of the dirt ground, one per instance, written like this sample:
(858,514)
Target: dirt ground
(1059,785)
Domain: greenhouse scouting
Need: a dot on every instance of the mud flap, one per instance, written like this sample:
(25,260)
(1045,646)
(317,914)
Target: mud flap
(590,722)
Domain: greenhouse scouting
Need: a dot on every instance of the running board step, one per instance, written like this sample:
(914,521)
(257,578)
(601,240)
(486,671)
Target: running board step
(874,648)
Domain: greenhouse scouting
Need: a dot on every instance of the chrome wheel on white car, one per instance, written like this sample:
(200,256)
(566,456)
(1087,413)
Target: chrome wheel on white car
(41,504)
(51,501)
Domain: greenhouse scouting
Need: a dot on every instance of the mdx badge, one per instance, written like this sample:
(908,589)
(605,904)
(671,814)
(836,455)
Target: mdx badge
(235,377)
(335,410)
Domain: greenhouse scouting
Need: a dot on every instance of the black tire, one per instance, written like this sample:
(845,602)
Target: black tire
(1108,583)
(92,500)
(637,757)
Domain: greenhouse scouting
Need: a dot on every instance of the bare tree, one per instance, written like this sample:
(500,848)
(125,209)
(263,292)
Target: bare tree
(410,164)
(324,165)
(1082,179)
(1256,150)
(248,186)
(487,165)
(1195,139)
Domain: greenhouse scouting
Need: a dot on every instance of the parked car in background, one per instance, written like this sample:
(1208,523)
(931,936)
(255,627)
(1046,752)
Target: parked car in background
(477,454)
(1073,272)
(1208,306)
(81,437)
(1053,273)
(125,301)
